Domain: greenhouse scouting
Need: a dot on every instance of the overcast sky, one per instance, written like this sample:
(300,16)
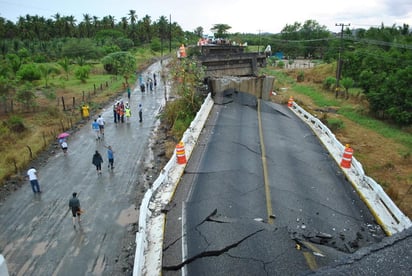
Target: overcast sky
(243,16)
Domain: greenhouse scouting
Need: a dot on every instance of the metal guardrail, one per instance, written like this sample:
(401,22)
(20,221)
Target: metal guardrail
(385,211)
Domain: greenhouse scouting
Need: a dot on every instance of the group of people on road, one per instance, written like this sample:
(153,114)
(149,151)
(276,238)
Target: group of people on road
(150,83)
(97,159)
(121,110)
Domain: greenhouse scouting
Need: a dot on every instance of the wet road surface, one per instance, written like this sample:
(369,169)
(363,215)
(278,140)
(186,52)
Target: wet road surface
(221,221)
(37,234)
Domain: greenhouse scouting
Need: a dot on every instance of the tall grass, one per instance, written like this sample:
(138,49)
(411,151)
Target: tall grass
(319,98)
(388,131)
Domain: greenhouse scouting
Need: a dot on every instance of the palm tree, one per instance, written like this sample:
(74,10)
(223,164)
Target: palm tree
(65,64)
(133,19)
(87,24)
(146,29)
(124,23)
(220,30)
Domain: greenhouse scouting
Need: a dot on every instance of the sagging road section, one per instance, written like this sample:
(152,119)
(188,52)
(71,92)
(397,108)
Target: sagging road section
(261,196)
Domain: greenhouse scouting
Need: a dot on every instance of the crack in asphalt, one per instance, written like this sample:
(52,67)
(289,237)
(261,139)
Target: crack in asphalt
(211,253)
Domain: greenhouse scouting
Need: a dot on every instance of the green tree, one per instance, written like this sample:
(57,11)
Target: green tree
(85,48)
(29,72)
(14,63)
(26,96)
(46,70)
(120,63)
(82,73)
(65,65)
(347,83)
(220,30)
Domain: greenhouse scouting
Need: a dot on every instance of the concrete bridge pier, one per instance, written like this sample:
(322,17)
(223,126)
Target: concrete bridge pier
(261,87)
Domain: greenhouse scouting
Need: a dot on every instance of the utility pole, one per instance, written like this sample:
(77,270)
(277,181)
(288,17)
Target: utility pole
(339,65)
(170,33)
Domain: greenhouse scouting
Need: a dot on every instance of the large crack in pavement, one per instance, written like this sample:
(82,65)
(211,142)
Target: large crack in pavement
(210,253)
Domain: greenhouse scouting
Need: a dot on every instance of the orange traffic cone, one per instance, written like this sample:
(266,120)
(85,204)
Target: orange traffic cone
(180,153)
(290,101)
(347,157)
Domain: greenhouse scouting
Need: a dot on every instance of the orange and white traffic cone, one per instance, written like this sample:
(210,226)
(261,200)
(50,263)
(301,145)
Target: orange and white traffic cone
(347,157)
(180,153)
(290,101)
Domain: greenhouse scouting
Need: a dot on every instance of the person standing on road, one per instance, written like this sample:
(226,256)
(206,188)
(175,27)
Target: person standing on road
(33,177)
(74,205)
(140,113)
(115,112)
(154,79)
(96,129)
(100,121)
(127,112)
(97,161)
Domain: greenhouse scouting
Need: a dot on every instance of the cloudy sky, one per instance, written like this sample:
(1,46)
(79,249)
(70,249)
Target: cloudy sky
(243,16)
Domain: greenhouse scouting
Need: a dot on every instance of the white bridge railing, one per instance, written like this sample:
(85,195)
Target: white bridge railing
(382,207)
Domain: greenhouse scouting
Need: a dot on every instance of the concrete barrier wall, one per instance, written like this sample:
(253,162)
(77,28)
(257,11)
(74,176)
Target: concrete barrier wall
(260,87)
(149,238)
(387,214)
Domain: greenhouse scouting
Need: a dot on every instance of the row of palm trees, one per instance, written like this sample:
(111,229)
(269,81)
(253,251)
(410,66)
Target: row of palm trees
(34,27)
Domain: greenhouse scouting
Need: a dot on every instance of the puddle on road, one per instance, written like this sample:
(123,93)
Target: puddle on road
(99,266)
(39,249)
(128,216)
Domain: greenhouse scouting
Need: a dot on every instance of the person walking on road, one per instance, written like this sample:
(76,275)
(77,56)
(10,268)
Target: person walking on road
(128,91)
(140,113)
(33,177)
(97,161)
(100,121)
(74,205)
(64,147)
(96,129)
(110,157)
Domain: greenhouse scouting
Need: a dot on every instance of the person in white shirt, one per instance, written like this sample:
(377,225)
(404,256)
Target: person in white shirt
(100,121)
(64,146)
(33,177)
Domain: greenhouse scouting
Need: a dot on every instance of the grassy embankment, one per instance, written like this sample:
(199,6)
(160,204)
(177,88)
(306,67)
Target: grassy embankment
(384,150)
(40,127)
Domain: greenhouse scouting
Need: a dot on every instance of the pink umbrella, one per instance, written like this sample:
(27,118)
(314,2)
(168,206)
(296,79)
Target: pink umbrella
(63,135)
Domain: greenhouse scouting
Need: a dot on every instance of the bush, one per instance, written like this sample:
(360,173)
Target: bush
(300,77)
(334,124)
(15,124)
(29,72)
(82,73)
(329,83)
(281,64)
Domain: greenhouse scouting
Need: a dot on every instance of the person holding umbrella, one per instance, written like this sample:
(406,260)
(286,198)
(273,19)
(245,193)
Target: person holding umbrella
(64,146)
(63,141)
